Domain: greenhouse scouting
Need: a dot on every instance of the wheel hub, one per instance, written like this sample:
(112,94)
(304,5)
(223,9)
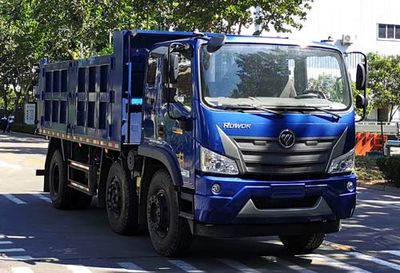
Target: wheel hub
(159,213)
(114,199)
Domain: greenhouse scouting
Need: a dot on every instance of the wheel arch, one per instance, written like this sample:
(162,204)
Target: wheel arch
(166,159)
(154,159)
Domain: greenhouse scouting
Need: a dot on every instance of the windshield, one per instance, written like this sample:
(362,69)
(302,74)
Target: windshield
(275,76)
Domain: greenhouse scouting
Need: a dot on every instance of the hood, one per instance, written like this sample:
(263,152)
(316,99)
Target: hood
(266,143)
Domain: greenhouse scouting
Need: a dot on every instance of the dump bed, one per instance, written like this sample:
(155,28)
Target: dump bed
(96,101)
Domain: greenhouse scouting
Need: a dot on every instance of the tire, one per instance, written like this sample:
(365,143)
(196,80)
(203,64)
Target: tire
(169,233)
(60,193)
(121,201)
(302,243)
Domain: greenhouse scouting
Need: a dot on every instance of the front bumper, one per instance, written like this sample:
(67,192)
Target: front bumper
(232,231)
(234,205)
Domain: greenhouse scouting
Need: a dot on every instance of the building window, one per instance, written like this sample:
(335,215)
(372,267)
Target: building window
(386,31)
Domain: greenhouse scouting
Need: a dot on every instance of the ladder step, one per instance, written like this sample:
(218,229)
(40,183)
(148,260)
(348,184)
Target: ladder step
(89,184)
(79,186)
(79,166)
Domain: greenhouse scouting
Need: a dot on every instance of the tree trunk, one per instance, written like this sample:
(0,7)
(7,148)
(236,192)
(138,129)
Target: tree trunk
(393,111)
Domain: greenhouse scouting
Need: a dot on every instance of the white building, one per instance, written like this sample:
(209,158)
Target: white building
(354,25)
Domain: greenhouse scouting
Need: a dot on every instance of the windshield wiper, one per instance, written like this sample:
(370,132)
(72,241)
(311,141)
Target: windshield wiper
(243,107)
(316,108)
(325,111)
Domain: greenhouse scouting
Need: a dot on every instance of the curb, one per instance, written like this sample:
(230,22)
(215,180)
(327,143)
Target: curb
(379,187)
(26,135)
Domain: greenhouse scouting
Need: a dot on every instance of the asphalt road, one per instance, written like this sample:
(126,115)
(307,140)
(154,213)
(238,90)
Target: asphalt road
(34,237)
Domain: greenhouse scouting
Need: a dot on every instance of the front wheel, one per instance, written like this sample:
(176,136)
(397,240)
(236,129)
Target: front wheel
(302,243)
(169,233)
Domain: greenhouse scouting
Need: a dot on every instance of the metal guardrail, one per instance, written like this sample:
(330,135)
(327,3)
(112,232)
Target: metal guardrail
(376,127)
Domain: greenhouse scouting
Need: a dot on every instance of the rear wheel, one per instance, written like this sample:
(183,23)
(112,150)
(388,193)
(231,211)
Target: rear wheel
(170,234)
(60,193)
(121,201)
(302,243)
(62,196)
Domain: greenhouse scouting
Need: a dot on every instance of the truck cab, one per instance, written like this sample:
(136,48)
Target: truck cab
(262,131)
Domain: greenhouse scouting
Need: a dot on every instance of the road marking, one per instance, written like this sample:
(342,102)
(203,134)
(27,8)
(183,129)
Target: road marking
(393,252)
(340,246)
(14,199)
(375,260)
(17,258)
(288,264)
(5,242)
(238,266)
(21,269)
(6,165)
(42,197)
(185,266)
(319,259)
(6,250)
(78,269)
(296,267)
(131,267)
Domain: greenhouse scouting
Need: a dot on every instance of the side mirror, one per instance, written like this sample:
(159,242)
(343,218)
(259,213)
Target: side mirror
(215,43)
(361,102)
(361,77)
(173,68)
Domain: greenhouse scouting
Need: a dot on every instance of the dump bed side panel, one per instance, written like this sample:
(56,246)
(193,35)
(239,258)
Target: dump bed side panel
(94,100)
(80,101)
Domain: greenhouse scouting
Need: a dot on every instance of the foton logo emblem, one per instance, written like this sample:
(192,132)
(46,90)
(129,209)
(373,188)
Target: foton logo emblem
(287,139)
(228,125)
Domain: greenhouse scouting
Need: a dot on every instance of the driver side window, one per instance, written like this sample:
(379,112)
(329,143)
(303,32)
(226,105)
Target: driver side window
(184,92)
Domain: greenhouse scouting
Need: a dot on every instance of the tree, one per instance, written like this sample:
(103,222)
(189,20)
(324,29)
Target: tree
(228,16)
(71,29)
(384,81)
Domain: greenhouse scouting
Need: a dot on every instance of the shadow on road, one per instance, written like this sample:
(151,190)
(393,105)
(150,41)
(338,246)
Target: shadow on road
(84,238)
(20,138)
(23,150)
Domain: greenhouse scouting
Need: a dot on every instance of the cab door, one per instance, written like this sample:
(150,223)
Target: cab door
(174,122)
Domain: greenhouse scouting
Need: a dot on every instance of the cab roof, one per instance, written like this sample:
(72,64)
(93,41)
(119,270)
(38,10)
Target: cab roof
(148,38)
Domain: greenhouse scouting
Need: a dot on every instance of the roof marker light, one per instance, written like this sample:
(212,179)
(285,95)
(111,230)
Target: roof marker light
(136,101)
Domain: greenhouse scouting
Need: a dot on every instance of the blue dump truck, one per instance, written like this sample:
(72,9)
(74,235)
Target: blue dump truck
(198,134)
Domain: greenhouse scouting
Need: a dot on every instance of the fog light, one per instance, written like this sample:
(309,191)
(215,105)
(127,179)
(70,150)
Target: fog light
(216,189)
(350,186)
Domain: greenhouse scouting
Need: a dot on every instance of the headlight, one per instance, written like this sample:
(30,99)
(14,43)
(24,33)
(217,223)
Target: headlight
(211,162)
(343,163)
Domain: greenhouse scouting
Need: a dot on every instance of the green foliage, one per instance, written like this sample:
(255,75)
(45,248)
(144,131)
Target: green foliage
(71,29)
(23,128)
(367,169)
(390,167)
(384,81)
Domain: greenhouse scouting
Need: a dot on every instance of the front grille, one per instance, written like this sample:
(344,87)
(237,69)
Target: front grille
(267,156)
(265,203)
